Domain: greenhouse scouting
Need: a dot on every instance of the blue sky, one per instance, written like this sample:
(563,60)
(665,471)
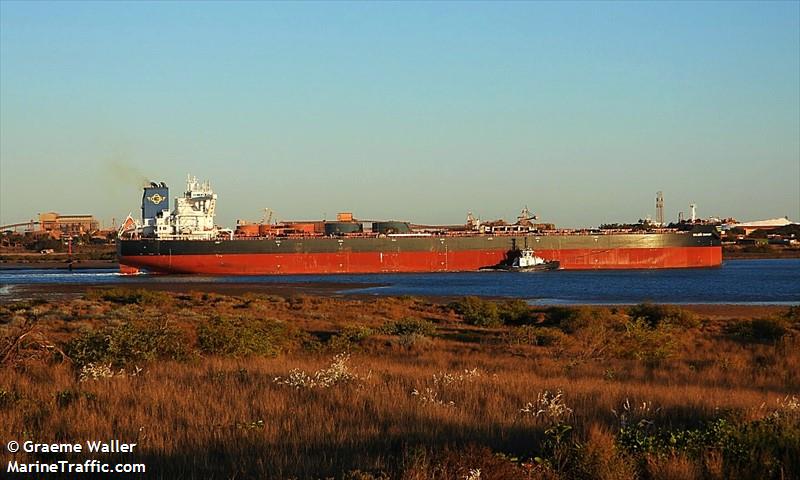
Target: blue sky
(409,110)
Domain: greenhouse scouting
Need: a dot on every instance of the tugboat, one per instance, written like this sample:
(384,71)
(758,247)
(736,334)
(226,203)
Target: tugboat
(525,261)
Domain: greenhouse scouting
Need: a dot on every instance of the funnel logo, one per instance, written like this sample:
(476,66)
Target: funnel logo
(156,198)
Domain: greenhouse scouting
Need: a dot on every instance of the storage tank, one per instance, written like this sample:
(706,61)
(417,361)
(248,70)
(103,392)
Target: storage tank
(304,228)
(247,230)
(342,228)
(390,227)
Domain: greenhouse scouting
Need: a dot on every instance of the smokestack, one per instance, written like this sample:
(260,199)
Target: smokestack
(154,199)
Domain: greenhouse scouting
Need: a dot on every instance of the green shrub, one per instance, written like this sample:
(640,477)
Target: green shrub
(489,313)
(311,342)
(349,338)
(409,326)
(90,346)
(65,398)
(514,312)
(645,342)
(759,329)
(533,335)
(241,337)
(357,333)
(476,311)
(573,319)
(655,314)
(762,448)
(130,342)
(558,315)
(127,296)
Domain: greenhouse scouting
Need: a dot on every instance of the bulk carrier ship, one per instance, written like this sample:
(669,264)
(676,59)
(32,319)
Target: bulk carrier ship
(186,240)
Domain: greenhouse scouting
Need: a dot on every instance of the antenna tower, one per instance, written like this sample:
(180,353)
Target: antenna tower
(660,208)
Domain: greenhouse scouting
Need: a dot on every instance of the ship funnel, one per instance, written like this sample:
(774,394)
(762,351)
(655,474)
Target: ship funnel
(155,199)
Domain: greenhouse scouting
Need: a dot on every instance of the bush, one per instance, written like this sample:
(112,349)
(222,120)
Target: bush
(349,338)
(645,342)
(128,343)
(127,296)
(65,398)
(477,311)
(532,335)
(762,448)
(488,313)
(515,312)
(409,326)
(572,319)
(241,337)
(759,329)
(656,314)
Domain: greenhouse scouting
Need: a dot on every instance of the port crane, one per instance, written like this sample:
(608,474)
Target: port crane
(267,218)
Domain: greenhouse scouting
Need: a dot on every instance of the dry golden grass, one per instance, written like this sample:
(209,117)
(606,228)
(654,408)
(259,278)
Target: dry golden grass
(408,406)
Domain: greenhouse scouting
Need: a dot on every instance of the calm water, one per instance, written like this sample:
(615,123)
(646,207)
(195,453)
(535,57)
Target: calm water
(737,281)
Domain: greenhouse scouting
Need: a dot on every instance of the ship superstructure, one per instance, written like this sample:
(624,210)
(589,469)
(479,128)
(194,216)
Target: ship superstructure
(191,219)
(186,240)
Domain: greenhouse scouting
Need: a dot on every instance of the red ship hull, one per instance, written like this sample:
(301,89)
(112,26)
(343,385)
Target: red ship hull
(418,261)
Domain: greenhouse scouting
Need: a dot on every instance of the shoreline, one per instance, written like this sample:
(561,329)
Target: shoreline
(777,255)
(286,289)
(337,290)
(60,265)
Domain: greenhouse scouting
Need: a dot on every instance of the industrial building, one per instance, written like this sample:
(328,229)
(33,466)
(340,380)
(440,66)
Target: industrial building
(56,224)
(769,224)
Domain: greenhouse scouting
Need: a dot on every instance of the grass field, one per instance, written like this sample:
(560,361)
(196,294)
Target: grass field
(259,386)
